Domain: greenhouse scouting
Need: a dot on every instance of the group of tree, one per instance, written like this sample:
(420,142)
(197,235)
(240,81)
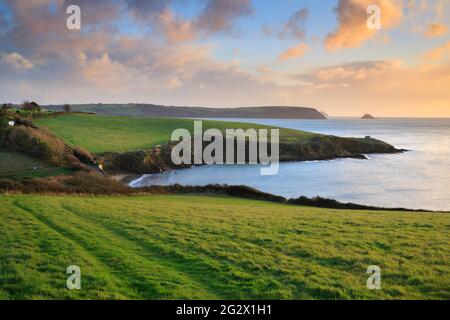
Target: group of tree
(31,106)
(7,106)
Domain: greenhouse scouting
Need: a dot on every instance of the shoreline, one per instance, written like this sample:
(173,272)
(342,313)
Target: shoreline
(126,178)
(95,184)
(131,180)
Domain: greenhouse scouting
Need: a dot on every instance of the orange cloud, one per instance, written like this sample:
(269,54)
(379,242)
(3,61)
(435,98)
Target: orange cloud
(437,53)
(388,88)
(352,16)
(436,30)
(176,30)
(293,52)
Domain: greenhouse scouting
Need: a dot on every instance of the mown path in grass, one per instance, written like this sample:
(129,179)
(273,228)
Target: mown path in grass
(110,133)
(197,247)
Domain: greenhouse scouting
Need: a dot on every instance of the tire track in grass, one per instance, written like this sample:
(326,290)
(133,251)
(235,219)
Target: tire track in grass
(211,276)
(81,244)
(199,269)
(284,283)
(178,263)
(147,277)
(278,283)
(114,286)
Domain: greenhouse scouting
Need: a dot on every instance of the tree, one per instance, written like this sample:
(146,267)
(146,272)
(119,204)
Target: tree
(67,108)
(6,106)
(26,106)
(31,106)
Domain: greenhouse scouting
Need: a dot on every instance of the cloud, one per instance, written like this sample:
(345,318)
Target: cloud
(15,60)
(352,15)
(135,63)
(437,53)
(37,30)
(218,15)
(295,26)
(355,71)
(436,30)
(176,29)
(387,87)
(267,30)
(420,14)
(105,73)
(145,8)
(293,52)
(102,62)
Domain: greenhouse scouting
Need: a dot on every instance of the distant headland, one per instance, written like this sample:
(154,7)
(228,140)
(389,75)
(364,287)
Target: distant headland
(160,111)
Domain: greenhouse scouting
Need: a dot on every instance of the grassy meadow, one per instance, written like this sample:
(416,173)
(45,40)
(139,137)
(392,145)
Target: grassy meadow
(16,165)
(100,134)
(199,247)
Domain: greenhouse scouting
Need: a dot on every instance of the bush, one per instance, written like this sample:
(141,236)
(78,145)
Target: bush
(40,144)
(83,155)
(3,122)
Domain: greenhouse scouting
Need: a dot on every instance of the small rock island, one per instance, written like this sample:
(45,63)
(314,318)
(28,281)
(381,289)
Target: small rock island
(368,117)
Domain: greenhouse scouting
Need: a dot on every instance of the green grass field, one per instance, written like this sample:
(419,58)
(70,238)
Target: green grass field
(111,133)
(15,165)
(197,247)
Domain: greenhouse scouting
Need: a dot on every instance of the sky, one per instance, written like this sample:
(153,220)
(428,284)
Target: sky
(231,53)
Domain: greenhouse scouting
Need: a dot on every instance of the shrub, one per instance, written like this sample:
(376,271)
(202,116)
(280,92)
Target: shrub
(40,144)
(83,155)
(3,122)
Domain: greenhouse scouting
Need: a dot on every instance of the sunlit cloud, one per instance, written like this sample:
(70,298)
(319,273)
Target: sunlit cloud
(152,51)
(438,53)
(294,52)
(15,60)
(352,17)
(436,30)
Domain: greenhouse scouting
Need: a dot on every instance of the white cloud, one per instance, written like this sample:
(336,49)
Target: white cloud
(15,60)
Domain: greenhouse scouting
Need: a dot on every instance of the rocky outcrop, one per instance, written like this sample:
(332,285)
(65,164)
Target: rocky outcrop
(155,160)
(333,204)
(368,117)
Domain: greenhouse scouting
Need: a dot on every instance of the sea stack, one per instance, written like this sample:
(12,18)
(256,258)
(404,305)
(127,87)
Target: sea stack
(368,117)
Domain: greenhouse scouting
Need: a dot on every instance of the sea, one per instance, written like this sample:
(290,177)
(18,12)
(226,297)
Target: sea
(416,179)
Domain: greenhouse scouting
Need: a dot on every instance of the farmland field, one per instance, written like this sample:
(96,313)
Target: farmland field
(199,247)
(111,133)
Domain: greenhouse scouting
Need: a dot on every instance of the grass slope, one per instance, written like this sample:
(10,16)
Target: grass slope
(14,165)
(197,247)
(110,133)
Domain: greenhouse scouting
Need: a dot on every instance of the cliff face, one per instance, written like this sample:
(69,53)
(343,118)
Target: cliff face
(158,160)
(149,110)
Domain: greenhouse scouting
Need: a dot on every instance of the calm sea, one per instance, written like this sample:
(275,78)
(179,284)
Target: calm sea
(418,179)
